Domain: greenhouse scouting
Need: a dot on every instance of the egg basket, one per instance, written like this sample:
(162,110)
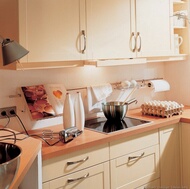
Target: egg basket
(162,108)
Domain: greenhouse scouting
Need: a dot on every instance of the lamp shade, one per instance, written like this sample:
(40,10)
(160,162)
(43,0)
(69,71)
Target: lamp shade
(12,51)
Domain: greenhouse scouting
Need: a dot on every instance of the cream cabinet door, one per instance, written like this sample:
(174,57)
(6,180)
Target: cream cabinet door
(170,156)
(153,27)
(151,185)
(128,28)
(108,29)
(135,169)
(51,29)
(96,177)
(185,143)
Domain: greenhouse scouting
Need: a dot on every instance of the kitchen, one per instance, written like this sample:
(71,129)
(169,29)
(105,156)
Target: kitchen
(175,72)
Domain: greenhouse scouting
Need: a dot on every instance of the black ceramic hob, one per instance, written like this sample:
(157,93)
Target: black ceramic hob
(101,124)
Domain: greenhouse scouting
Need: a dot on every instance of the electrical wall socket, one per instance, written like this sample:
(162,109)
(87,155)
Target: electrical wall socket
(8,112)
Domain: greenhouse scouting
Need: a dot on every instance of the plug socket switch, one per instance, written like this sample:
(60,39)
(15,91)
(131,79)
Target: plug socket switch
(7,111)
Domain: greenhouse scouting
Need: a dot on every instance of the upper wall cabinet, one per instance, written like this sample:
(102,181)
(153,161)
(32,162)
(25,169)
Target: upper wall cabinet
(153,27)
(128,28)
(61,33)
(108,29)
(51,31)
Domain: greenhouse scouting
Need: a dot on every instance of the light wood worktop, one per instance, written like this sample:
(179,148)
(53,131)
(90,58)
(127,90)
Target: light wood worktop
(91,138)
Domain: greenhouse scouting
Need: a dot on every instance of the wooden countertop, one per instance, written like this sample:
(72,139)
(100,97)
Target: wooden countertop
(30,148)
(91,138)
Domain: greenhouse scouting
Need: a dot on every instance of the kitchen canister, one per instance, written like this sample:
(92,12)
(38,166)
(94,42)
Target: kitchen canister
(178,40)
(79,112)
(68,112)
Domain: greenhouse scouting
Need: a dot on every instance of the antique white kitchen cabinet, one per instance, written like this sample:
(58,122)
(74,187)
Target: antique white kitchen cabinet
(153,27)
(135,161)
(52,31)
(170,156)
(81,170)
(63,33)
(128,28)
(185,143)
(93,177)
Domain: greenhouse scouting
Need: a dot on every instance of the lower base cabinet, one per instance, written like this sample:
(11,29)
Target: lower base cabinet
(151,185)
(135,169)
(134,161)
(170,175)
(96,177)
(185,154)
(143,161)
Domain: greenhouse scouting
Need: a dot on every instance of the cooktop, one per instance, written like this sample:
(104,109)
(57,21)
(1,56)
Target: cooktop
(101,124)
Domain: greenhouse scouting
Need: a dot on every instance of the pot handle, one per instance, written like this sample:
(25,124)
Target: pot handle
(131,101)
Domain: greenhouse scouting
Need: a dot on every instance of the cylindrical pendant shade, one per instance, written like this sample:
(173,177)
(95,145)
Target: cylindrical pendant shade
(12,51)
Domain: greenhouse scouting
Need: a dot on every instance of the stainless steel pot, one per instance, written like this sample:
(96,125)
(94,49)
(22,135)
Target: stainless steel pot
(116,110)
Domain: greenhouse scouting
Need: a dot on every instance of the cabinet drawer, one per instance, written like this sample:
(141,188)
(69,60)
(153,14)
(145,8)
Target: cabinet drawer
(154,184)
(62,165)
(96,177)
(135,169)
(133,143)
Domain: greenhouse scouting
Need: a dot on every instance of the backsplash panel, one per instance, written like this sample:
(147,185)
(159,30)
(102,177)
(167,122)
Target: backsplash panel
(11,81)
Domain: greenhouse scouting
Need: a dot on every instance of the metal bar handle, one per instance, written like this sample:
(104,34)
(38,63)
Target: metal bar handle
(70,180)
(131,40)
(84,36)
(135,157)
(79,161)
(138,37)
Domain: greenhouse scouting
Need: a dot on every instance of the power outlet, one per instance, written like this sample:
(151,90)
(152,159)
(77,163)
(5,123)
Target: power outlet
(4,112)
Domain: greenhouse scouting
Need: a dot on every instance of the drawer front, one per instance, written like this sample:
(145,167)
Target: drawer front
(135,169)
(72,162)
(133,143)
(96,177)
(151,185)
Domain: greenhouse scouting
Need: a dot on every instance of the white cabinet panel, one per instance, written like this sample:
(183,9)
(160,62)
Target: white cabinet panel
(72,162)
(151,185)
(153,22)
(108,29)
(170,156)
(52,29)
(185,133)
(135,169)
(133,143)
(128,28)
(96,177)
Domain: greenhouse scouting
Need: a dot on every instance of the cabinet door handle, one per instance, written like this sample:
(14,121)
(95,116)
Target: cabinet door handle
(79,161)
(84,36)
(135,157)
(138,37)
(70,180)
(131,42)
